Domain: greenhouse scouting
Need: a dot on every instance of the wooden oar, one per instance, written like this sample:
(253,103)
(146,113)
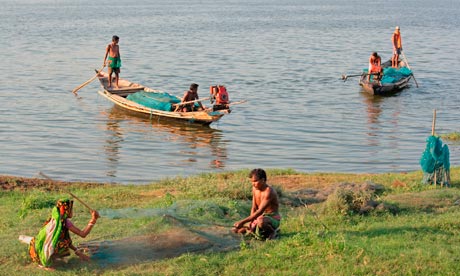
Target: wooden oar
(194,101)
(88,81)
(240,102)
(345,77)
(232,103)
(407,63)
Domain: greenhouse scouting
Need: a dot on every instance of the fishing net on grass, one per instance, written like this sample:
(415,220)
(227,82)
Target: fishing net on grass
(435,162)
(192,227)
(155,100)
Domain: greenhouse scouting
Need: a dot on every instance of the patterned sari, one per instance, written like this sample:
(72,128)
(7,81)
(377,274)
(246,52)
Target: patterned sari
(53,240)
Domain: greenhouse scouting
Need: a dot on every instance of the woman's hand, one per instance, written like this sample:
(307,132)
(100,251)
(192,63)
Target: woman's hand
(94,215)
(81,255)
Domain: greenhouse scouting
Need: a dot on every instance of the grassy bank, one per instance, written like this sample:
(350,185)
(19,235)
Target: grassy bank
(333,224)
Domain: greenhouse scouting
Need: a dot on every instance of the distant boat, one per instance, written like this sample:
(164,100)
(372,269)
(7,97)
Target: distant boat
(393,80)
(148,102)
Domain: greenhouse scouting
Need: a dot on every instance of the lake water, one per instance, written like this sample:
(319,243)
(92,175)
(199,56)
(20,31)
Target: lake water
(284,57)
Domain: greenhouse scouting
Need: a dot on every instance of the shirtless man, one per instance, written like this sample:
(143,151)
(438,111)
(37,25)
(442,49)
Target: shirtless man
(375,67)
(264,219)
(397,47)
(113,53)
(190,95)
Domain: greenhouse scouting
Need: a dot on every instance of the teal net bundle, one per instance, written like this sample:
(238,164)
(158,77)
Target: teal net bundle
(392,75)
(155,100)
(435,162)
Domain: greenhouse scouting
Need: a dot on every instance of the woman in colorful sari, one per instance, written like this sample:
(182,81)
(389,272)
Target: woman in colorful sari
(53,241)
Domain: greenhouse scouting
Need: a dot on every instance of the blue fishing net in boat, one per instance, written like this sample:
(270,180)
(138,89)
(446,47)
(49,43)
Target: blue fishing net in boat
(435,162)
(392,75)
(155,100)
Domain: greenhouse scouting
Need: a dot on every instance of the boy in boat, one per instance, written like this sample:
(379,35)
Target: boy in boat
(220,95)
(53,241)
(189,99)
(264,220)
(375,67)
(113,53)
(397,47)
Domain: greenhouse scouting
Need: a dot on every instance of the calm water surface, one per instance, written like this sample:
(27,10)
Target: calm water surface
(284,57)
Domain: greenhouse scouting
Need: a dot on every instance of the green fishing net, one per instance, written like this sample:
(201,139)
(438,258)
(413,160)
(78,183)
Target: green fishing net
(155,100)
(435,162)
(392,75)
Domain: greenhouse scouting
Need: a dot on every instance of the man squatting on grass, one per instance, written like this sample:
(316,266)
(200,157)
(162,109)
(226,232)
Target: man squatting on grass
(264,220)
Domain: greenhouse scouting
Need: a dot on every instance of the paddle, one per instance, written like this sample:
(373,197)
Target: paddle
(232,103)
(345,77)
(407,63)
(194,101)
(88,81)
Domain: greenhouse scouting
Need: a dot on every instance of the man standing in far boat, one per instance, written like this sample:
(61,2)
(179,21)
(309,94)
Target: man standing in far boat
(113,53)
(397,47)
(264,220)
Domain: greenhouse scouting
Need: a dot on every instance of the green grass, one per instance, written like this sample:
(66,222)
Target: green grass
(421,238)
(454,136)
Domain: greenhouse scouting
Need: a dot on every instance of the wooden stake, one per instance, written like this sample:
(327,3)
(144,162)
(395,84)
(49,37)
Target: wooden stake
(434,122)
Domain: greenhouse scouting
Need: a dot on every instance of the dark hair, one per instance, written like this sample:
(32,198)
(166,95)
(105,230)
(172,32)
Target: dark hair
(193,86)
(115,38)
(259,174)
(375,54)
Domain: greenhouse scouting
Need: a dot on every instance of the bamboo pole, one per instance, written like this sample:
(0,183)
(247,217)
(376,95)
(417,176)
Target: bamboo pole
(433,124)
(70,193)
(88,81)
(81,201)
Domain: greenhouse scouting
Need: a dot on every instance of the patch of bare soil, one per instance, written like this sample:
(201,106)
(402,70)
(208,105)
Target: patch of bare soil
(304,196)
(10,183)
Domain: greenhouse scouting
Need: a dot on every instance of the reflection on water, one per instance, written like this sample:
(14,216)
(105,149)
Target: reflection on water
(378,122)
(195,139)
(373,111)
(112,145)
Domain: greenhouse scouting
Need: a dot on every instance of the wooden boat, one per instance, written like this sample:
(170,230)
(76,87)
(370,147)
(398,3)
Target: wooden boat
(393,80)
(121,98)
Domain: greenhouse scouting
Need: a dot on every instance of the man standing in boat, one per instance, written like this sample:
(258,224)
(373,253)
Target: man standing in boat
(189,99)
(397,47)
(113,53)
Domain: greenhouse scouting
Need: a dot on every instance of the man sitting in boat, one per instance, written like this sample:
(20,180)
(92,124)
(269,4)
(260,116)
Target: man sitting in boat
(375,67)
(220,95)
(189,99)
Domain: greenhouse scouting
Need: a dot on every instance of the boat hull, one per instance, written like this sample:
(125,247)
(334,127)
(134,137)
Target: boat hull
(383,89)
(118,97)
